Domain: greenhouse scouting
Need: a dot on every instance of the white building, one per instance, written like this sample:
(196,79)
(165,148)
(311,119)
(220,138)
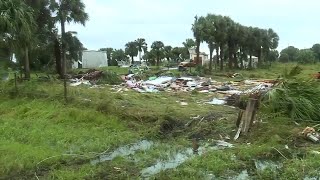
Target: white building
(203,57)
(92,59)
(254,62)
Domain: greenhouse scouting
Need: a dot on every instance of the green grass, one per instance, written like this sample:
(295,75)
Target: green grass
(38,126)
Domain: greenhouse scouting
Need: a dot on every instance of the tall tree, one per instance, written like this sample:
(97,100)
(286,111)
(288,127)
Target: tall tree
(17,20)
(157,47)
(270,41)
(119,55)
(221,25)
(142,46)
(292,53)
(209,37)
(168,52)
(306,56)
(74,47)
(68,11)
(316,49)
(198,33)
(131,50)
(189,43)
(109,52)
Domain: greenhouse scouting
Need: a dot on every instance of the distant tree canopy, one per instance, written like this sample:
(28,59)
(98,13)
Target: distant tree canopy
(233,41)
(293,54)
(28,29)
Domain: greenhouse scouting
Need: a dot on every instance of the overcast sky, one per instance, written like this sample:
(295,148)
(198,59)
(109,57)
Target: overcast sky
(113,23)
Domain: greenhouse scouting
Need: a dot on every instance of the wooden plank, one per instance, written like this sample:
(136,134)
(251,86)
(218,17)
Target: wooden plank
(249,115)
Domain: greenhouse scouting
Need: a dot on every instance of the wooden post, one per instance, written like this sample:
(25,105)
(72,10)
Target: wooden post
(65,88)
(246,118)
(249,115)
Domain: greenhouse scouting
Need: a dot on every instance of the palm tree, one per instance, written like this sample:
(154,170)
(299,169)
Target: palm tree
(209,36)
(168,52)
(142,46)
(157,48)
(131,50)
(197,28)
(189,43)
(270,41)
(68,11)
(17,20)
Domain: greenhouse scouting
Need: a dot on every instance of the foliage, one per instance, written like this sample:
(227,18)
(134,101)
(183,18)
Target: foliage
(284,57)
(67,11)
(141,46)
(306,56)
(316,49)
(131,50)
(297,98)
(292,53)
(111,78)
(158,50)
(119,55)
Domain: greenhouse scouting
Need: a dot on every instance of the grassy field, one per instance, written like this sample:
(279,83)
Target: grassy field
(44,137)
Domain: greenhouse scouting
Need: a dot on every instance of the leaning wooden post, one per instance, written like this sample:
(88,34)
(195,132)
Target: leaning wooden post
(249,115)
(246,118)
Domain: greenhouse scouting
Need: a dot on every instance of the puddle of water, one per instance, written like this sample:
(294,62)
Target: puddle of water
(310,178)
(264,164)
(242,176)
(124,151)
(174,162)
(180,158)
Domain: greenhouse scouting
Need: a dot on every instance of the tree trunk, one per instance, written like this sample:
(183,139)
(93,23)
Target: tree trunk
(132,61)
(63,45)
(26,64)
(222,56)
(210,63)
(198,51)
(241,58)
(140,57)
(235,61)
(259,58)
(260,61)
(217,62)
(230,58)
(250,61)
(158,61)
(57,53)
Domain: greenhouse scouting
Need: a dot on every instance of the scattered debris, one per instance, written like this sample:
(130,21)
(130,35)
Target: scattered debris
(91,74)
(311,134)
(216,101)
(183,103)
(224,144)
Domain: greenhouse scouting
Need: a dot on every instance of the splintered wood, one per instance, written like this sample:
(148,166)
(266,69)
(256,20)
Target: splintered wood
(246,118)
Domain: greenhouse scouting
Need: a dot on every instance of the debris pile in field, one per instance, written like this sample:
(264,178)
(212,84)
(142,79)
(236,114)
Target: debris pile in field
(93,76)
(200,84)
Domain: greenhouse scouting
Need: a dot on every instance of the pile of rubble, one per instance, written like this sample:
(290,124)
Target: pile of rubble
(200,84)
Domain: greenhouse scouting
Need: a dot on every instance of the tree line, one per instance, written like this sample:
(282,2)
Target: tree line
(232,41)
(293,54)
(154,56)
(29,29)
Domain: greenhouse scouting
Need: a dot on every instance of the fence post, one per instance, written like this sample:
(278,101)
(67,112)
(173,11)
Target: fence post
(65,88)
(15,83)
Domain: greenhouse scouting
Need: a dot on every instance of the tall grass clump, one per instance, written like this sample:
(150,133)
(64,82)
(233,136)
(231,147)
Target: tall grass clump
(298,99)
